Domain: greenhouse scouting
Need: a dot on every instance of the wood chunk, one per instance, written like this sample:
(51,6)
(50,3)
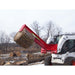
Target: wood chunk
(24,39)
(15,54)
(2,62)
(24,62)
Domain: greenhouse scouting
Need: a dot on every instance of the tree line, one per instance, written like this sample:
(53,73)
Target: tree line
(49,30)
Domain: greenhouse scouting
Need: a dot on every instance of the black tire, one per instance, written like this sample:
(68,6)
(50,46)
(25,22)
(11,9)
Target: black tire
(68,61)
(47,60)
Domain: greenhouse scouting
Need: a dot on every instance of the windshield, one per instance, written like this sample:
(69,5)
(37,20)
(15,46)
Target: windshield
(53,40)
(56,39)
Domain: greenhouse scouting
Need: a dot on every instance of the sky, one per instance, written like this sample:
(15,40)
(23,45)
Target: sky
(12,20)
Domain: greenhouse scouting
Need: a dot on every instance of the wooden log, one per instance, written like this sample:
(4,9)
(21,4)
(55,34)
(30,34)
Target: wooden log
(24,39)
(2,62)
(15,54)
(18,53)
(7,63)
(23,62)
(36,57)
(11,54)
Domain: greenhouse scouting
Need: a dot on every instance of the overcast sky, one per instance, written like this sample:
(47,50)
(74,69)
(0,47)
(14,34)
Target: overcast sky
(12,20)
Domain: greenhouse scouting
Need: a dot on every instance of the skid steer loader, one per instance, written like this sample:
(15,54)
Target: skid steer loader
(62,48)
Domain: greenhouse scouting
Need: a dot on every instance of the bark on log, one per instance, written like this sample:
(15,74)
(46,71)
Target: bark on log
(36,57)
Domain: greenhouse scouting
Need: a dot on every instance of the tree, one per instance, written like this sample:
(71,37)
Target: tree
(13,34)
(51,30)
(35,26)
(4,41)
(4,38)
(59,30)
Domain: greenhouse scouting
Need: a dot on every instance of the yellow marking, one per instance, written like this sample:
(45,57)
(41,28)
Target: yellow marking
(35,36)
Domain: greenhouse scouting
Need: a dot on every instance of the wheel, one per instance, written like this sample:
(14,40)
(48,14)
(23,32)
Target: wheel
(47,60)
(69,61)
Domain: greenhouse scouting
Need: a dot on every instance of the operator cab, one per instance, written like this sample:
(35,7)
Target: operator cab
(66,44)
(65,51)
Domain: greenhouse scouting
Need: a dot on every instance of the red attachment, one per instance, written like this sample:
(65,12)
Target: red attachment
(73,62)
(45,47)
(23,26)
(43,50)
(52,48)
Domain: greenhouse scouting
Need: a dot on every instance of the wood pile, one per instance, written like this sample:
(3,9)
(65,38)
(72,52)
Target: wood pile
(15,54)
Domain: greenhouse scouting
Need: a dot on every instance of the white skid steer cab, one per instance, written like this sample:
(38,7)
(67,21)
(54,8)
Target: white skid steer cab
(65,51)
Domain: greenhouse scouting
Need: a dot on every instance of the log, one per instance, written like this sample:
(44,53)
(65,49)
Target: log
(24,39)
(36,57)
(7,63)
(2,62)
(18,53)
(23,62)
(15,54)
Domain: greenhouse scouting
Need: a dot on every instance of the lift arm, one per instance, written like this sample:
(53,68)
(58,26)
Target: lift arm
(39,41)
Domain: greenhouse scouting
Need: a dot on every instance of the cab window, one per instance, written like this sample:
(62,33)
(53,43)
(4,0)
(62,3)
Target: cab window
(69,46)
(56,40)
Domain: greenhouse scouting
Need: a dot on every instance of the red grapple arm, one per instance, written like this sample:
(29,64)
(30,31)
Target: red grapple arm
(39,41)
